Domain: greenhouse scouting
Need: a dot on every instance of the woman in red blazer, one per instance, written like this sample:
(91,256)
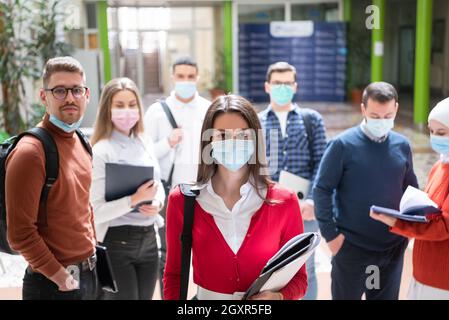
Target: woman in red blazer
(241,218)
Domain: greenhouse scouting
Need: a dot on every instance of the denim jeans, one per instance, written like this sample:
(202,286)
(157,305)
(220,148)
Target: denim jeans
(134,257)
(38,287)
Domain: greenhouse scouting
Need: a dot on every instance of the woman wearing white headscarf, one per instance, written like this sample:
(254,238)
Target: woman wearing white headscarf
(431,249)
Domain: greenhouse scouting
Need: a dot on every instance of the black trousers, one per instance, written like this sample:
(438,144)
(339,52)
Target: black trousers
(38,287)
(356,270)
(134,257)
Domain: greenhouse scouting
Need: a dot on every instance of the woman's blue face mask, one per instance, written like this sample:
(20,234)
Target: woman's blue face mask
(440,144)
(233,154)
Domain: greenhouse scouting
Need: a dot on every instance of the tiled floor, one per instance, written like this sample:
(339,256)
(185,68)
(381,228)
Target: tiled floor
(337,117)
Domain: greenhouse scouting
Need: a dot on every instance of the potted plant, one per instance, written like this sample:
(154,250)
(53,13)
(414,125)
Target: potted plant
(359,44)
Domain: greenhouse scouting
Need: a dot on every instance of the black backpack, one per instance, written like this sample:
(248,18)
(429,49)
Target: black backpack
(51,169)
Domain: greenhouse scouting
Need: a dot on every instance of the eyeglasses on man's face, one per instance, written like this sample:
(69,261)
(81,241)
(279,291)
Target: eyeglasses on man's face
(60,93)
(282,83)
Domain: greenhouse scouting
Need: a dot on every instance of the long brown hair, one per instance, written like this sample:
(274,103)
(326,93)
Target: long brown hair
(103,124)
(257,164)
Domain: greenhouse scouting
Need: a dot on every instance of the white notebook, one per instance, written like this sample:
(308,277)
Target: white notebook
(296,183)
(284,265)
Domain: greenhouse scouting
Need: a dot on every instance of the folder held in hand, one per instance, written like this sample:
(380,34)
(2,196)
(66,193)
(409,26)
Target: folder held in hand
(124,179)
(284,265)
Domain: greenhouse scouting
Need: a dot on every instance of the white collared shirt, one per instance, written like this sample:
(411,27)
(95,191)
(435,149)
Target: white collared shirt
(233,224)
(190,117)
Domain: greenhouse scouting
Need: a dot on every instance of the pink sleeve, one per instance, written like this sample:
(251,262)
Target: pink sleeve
(297,287)
(174,224)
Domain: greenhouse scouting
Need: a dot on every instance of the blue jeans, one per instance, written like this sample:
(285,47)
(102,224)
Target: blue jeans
(312,289)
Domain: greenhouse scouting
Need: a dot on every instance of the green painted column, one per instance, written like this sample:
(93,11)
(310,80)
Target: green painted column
(102,25)
(422,60)
(347,10)
(377,43)
(227,45)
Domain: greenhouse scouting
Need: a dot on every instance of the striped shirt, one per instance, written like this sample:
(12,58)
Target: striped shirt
(291,152)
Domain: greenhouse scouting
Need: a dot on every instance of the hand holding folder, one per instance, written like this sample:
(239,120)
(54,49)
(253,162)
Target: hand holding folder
(415,205)
(123,180)
(284,265)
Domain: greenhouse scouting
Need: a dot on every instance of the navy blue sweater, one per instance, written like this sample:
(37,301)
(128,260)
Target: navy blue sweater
(355,173)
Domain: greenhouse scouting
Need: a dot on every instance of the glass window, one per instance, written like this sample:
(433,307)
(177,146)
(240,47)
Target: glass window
(204,54)
(203,17)
(154,18)
(180,18)
(127,18)
(112,23)
(261,13)
(91,9)
(315,12)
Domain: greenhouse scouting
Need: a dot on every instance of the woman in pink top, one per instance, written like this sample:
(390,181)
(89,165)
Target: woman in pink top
(241,218)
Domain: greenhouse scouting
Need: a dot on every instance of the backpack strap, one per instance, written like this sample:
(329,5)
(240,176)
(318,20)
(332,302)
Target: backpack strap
(84,141)
(173,123)
(307,118)
(186,236)
(51,167)
(168,113)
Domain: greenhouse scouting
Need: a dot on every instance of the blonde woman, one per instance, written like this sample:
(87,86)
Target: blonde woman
(129,236)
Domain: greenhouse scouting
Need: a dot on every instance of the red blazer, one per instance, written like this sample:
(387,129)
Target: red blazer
(215,266)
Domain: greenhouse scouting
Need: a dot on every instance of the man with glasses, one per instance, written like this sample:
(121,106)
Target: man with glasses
(59,249)
(295,142)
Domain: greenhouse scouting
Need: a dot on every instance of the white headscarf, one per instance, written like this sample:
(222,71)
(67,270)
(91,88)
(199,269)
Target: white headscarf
(440,112)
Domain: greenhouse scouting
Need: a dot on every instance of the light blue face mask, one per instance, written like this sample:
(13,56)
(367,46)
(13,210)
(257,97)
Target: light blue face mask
(64,126)
(185,89)
(232,153)
(379,127)
(281,94)
(440,144)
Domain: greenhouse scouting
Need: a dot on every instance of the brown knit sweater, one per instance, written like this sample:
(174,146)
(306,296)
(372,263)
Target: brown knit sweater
(69,236)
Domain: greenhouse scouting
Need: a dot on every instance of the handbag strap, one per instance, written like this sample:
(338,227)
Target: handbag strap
(186,237)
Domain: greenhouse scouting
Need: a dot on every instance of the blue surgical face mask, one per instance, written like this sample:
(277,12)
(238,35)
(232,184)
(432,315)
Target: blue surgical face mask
(281,94)
(379,127)
(440,144)
(232,153)
(185,89)
(64,126)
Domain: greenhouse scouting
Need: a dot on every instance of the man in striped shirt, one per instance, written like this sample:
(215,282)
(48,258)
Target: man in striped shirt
(288,145)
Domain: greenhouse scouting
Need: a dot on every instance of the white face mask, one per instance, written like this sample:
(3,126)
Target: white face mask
(379,127)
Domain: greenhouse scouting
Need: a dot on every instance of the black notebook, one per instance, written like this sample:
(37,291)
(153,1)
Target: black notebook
(105,273)
(124,179)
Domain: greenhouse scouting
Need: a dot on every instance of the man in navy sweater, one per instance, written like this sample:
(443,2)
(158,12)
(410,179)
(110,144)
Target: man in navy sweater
(366,165)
